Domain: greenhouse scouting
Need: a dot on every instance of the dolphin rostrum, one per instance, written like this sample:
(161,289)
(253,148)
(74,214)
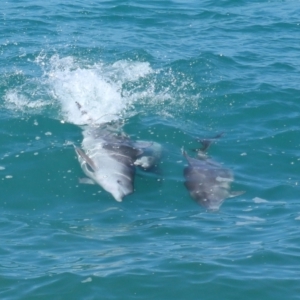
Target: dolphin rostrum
(108,157)
(207,181)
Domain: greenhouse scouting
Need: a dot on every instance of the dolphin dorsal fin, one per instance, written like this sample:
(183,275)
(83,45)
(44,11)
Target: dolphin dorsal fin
(207,142)
(81,154)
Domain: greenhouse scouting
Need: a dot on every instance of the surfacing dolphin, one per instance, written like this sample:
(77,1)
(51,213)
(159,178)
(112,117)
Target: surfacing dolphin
(108,157)
(207,181)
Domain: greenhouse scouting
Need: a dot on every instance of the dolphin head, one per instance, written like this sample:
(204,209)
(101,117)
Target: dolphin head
(117,183)
(117,186)
(113,182)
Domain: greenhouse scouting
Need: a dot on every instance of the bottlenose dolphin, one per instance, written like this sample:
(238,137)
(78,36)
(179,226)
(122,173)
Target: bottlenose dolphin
(108,157)
(207,181)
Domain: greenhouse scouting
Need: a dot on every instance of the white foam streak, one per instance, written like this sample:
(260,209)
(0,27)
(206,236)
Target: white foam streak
(259,200)
(16,101)
(249,220)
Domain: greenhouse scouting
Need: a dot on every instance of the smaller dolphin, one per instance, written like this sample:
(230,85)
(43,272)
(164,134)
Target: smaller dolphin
(207,181)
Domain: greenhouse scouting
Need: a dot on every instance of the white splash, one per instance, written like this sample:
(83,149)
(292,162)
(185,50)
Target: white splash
(96,88)
(87,87)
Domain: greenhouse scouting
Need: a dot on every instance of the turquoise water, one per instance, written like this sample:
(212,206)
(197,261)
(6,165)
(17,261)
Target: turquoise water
(174,71)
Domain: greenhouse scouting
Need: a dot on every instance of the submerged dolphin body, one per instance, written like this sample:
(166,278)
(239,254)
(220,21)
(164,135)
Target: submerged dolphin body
(109,157)
(207,181)
(152,153)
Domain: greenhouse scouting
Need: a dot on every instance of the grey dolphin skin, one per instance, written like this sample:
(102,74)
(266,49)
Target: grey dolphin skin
(207,181)
(108,157)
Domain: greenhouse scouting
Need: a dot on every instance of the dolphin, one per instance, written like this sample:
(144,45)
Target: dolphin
(108,158)
(207,181)
(151,155)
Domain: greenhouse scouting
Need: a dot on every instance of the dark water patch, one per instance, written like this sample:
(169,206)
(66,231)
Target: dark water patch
(214,15)
(283,66)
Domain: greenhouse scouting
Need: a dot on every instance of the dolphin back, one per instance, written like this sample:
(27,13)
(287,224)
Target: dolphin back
(207,181)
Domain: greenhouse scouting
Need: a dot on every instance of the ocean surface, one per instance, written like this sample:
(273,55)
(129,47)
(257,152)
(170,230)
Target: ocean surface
(172,72)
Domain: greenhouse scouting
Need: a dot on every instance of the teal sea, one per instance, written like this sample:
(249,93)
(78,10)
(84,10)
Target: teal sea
(172,71)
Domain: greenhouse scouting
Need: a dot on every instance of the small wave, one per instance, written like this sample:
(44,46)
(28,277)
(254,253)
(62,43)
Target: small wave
(248,220)
(17,101)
